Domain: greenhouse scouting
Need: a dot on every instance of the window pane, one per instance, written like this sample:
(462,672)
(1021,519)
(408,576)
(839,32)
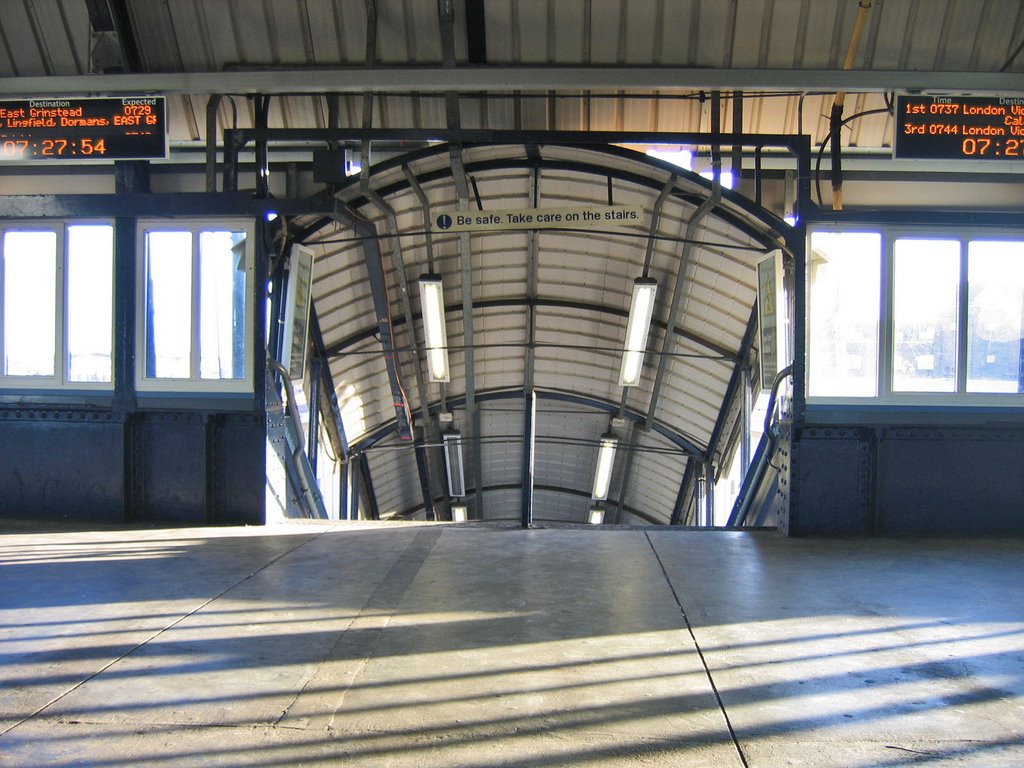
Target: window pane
(995,324)
(222,305)
(845,277)
(90,302)
(926,287)
(168,272)
(30,303)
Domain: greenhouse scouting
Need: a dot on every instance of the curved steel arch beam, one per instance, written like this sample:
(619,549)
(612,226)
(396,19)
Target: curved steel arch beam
(548,489)
(773,226)
(686,444)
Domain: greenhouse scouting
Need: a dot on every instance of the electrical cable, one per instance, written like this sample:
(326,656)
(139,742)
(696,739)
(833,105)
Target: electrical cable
(825,141)
(518,440)
(1013,56)
(574,230)
(616,351)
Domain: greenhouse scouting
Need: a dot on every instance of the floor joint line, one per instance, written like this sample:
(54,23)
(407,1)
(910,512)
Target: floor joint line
(153,637)
(700,654)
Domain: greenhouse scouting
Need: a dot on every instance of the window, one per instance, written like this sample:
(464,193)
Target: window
(995,316)
(196,316)
(915,318)
(926,288)
(56,306)
(844,305)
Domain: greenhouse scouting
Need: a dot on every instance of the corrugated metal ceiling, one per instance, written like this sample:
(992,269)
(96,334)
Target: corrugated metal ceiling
(54,38)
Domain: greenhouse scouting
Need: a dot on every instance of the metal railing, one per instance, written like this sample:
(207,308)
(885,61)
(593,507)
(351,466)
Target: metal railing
(762,456)
(311,501)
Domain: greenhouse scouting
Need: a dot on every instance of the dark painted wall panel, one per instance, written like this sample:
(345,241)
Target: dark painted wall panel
(830,488)
(238,455)
(170,468)
(950,482)
(909,480)
(59,465)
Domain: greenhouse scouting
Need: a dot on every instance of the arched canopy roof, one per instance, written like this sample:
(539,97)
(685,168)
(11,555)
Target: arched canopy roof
(549,310)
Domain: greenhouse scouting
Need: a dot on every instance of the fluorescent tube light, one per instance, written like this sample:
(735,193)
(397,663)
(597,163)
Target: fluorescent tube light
(603,472)
(596,515)
(459,513)
(453,464)
(432,307)
(640,310)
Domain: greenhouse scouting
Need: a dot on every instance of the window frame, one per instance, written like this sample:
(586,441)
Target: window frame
(60,379)
(194,384)
(887,396)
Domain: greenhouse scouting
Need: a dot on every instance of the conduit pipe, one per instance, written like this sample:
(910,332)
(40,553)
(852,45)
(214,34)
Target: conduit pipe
(836,118)
(403,287)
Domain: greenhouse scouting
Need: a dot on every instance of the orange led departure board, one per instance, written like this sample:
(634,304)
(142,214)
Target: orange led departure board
(959,127)
(122,128)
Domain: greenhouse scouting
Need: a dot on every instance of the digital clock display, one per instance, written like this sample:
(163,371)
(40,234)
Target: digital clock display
(123,128)
(959,127)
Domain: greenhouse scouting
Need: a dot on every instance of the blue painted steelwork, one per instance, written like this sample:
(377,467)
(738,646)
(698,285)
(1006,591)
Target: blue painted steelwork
(334,425)
(684,485)
(371,495)
(766,221)
(797,145)
(529,448)
(762,456)
(736,380)
(458,172)
(403,289)
(423,473)
(382,308)
(313,438)
(685,444)
(577,493)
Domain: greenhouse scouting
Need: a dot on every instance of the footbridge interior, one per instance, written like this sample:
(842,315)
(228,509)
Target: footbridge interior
(542,264)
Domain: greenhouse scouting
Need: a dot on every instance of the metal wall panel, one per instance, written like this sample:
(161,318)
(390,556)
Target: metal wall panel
(64,465)
(169,470)
(908,480)
(237,458)
(832,488)
(951,481)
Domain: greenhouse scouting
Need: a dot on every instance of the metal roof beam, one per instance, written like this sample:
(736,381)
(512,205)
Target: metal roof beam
(334,426)
(510,79)
(735,382)
(678,439)
(410,327)
(584,493)
(374,262)
(466,273)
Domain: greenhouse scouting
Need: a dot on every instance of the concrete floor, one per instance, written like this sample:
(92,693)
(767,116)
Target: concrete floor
(419,645)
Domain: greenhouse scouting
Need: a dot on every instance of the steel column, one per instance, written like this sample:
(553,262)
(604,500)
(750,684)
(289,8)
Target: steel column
(371,495)
(735,385)
(466,269)
(709,494)
(334,425)
(212,105)
(529,452)
(315,388)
